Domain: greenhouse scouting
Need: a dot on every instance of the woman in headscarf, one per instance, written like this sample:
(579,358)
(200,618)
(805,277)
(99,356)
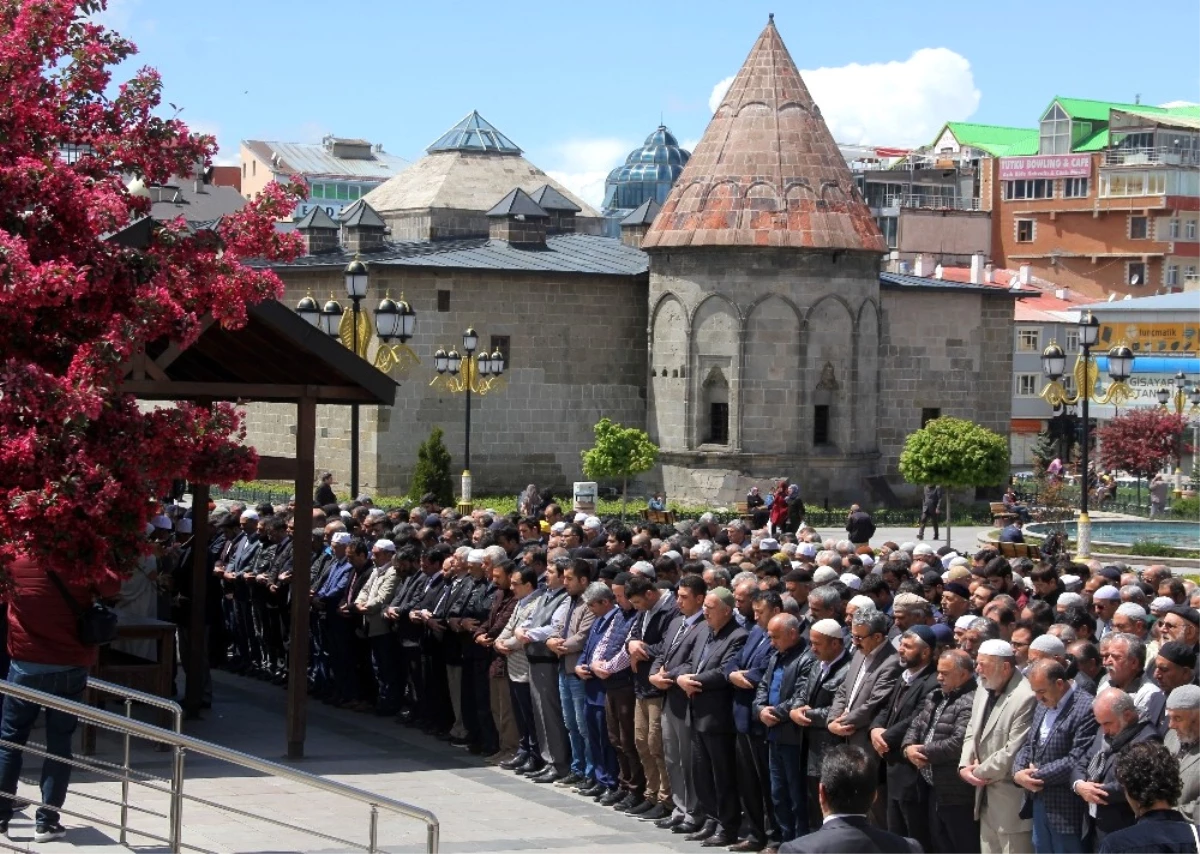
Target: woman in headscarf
(779,508)
(756,506)
(530,501)
(795,509)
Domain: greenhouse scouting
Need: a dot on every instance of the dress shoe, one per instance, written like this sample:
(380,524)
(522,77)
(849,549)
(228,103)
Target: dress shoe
(570,780)
(614,794)
(656,813)
(686,827)
(747,845)
(640,809)
(626,802)
(669,822)
(532,768)
(702,832)
(593,791)
(548,775)
(456,741)
(585,785)
(718,840)
(516,762)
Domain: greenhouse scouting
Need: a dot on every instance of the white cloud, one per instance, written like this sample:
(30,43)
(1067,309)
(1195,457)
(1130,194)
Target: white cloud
(889,103)
(1171,104)
(581,165)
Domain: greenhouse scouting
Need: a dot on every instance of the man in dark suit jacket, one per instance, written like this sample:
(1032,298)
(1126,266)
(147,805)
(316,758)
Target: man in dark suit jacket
(846,791)
(1060,735)
(907,803)
(710,698)
(787,666)
(673,661)
(753,763)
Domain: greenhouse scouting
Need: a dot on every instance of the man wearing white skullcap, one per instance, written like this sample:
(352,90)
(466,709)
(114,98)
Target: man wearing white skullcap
(824,679)
(1047,646)
(824,575)
(1183,740)
(1000,720)
(1104,604)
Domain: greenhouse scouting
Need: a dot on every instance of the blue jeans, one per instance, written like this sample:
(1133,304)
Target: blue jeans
(574,706)
(604,768)
(18,720)
(788,790)
(1047,841)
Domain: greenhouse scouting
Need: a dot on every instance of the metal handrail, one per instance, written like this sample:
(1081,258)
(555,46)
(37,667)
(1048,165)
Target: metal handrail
(182,744)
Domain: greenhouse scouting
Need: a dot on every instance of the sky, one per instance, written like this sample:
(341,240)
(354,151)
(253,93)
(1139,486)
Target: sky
(579,85)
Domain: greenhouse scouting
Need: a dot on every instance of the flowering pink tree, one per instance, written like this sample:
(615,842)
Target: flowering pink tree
(79,460)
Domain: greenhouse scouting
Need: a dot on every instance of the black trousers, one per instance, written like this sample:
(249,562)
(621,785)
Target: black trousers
(815,817)
(754,787)
(931,518)
(522,701)
(714,766)
(908,811)
(413,675)
(434,707)
(954,828)
(475,671)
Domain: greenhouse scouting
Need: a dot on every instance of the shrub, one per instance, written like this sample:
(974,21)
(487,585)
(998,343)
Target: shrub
(1148,548)
(1186,508)
(432,473)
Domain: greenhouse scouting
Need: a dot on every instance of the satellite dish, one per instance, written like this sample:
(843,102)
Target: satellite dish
(1112,297)
(1135,279)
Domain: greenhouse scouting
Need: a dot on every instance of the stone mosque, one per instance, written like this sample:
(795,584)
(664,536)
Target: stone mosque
(746,324)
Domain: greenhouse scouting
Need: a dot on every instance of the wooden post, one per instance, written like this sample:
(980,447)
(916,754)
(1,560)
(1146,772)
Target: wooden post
(297,711)
(197,651)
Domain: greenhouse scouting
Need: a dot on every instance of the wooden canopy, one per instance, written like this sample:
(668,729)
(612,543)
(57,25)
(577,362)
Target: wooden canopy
(276,357)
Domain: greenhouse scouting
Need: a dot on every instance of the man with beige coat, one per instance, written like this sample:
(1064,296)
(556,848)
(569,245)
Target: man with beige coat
(1000,720)
(374,596)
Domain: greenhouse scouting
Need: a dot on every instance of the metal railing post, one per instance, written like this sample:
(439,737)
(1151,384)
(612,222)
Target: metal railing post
(431,839)
(373,833)
(125,779)
(176,831)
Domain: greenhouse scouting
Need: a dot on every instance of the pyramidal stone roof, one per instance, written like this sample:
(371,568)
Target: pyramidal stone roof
(518,203)
(767,171)
(361,215)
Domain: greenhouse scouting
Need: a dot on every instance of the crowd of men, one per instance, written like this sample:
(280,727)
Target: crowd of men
(696,676)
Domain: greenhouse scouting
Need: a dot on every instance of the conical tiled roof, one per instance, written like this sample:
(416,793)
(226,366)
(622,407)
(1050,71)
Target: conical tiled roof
(767,171)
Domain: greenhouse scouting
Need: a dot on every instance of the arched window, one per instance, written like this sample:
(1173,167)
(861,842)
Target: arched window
(715,411)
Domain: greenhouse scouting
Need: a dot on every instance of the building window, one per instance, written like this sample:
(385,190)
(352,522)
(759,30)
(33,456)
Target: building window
(1124,184)
(821,424)
(928,415)
(1189,272)
(889,226)
(1034,188)
(1027,385)
(1173,228)
(1189,229)
(1135,273)
(1026,228)
(1075,188)
(243,171)
(718,424)
(500,342)
(1054,135)
(1139,228)
(1072,341)
(1029,340)
(1171,275)
(443,300)
(253,167)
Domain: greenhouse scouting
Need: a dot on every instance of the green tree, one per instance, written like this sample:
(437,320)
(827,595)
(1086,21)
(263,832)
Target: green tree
(619,452)
(1044,451)
(954,453)
(432,473)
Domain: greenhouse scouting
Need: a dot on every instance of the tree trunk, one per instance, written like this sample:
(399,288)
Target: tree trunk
(624,495)
(948,517)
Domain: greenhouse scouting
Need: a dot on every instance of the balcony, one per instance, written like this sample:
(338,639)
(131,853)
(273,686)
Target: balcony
(1151,156)
(891,205)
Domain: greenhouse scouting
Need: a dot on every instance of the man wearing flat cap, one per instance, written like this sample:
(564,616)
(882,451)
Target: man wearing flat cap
(1000,720)
(1183,740)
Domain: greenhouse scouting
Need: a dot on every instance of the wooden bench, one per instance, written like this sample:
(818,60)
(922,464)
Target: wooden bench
(743,511)
(1015,550)
(1001,515)
(660,517)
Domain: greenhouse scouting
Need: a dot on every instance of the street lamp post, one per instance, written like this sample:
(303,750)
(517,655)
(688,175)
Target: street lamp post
(1181,397)
(1086,373)
(479,376)
(394,322)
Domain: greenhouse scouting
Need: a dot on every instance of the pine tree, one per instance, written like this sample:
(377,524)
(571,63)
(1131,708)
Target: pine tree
(1044,451)
(432,473)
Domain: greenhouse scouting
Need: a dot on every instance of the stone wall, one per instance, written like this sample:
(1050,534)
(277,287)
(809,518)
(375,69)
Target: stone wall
(576,353)
(951,352)
(448,223)
(772,334)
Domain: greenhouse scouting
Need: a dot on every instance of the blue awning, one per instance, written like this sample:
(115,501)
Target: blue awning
(1170,365)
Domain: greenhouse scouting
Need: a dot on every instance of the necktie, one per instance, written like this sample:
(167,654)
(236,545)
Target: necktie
(683,624)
